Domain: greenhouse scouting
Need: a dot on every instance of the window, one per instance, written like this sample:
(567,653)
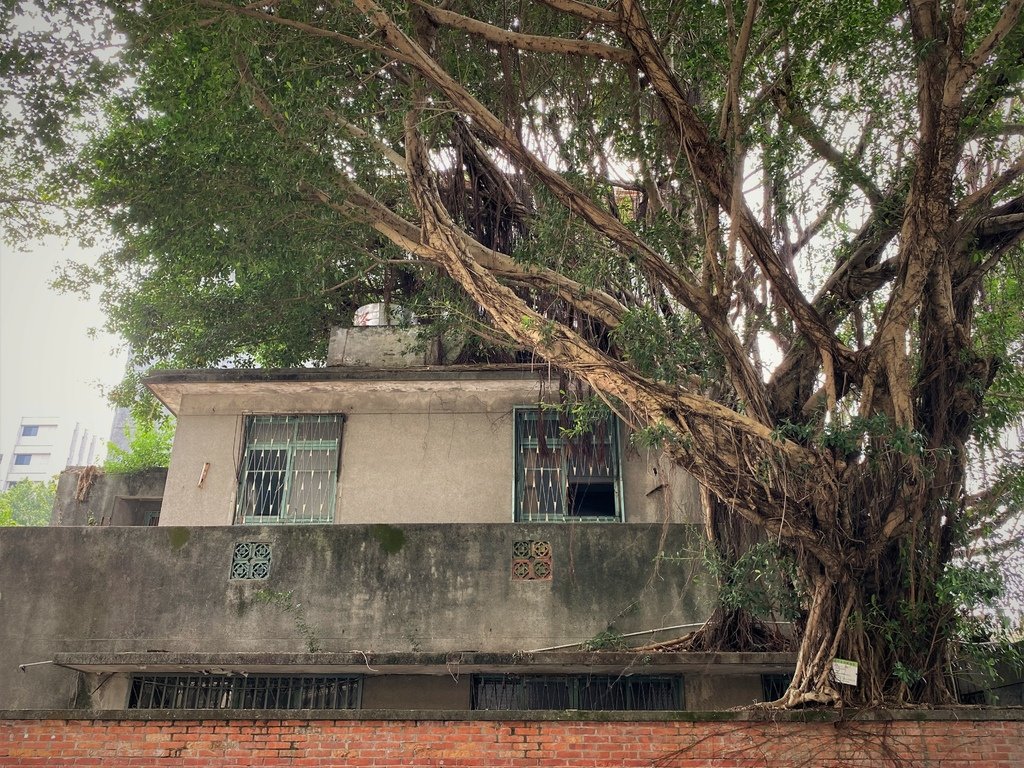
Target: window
(30,430)
(244,692)
(773,687)
(289,471)
(559,478)
(585,692)
(22,459)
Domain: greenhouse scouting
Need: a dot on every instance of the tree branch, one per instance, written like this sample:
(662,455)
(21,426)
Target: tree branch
(584,11)
(527,42)
(1004,25)
(700,422)
(679,281)
(809,132)
(309,29)
(711,167)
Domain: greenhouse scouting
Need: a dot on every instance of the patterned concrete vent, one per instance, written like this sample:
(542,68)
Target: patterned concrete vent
(251,560)
(531,561)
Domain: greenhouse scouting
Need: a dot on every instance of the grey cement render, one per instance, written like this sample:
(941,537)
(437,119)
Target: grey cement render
(112,499)
(350,588)
(428,450)
(389,347)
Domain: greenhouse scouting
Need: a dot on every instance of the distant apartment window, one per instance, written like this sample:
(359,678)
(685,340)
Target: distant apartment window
(583,692)
(22,459)
(289,470)
(219,691)
(30,430)
(562,478)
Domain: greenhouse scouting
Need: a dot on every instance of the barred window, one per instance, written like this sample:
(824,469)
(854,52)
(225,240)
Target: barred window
(244,692)
(562,478)
(585,692)
(773,687)
(289,471)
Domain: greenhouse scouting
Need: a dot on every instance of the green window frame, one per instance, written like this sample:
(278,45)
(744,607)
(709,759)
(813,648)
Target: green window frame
(561,479)
(289,469)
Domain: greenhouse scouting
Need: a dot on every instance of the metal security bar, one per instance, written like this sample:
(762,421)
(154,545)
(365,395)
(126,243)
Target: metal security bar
(290,469)
(562,478)
(244,692)
(584,692)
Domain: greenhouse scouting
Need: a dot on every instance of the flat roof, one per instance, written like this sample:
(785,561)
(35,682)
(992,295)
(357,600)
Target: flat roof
(170,386)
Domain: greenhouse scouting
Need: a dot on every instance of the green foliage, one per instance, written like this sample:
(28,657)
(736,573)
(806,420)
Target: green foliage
(761,581)
(609,639)
(665,347)
(148,447)
(55,69)
(579,413)
(653,436)
(873,436)
(28,503)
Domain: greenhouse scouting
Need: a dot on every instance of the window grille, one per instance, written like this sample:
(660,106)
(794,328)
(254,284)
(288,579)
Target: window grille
(560,478)
(244,692)
(289,472)
(774,686)
(584,692)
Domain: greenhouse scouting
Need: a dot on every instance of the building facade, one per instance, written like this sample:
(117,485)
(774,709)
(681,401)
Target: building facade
(44,445)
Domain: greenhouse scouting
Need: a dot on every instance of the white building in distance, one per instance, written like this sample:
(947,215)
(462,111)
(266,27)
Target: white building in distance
(44,445)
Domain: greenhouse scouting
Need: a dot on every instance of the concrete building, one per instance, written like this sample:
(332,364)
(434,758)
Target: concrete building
(357,536)
(44,445)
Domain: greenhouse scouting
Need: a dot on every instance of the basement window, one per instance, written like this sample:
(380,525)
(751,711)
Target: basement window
(220,691)
(774,686)
(583,692)
(561,478)
(289,471)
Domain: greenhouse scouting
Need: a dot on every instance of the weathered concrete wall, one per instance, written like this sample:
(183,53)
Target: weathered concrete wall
(383,739)
(110,500)
(412,455)
(336,588)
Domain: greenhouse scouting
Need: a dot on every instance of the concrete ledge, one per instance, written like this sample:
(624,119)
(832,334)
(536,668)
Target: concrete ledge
(464,662)
(297,717)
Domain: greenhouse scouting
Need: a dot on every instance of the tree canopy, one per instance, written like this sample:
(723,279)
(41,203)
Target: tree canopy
(28,503)
(779,239)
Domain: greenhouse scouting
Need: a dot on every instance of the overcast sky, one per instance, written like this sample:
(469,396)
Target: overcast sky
(49,365)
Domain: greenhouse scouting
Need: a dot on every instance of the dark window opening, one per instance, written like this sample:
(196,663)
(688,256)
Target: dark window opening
(590,499)
(774,686)
(584,692)
(244,692)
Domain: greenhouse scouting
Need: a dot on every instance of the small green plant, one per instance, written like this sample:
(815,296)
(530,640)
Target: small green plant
(149,447)
(284,602)
(608,640)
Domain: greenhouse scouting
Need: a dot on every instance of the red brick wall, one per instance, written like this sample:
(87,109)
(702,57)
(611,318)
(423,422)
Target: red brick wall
(492,744)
